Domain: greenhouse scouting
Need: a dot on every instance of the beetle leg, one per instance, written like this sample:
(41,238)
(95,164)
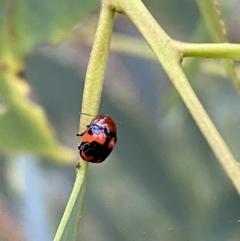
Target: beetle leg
(80,134)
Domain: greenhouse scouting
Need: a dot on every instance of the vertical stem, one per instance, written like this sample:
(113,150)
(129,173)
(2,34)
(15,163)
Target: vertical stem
(90,104)
(69,208)
(97,62)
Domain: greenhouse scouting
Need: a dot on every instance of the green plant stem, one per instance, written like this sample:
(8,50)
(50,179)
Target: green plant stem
(97,63)
(169,55)
(216,50)
(75,192)
(90,104)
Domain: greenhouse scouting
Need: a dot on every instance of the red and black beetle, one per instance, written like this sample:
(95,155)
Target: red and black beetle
(99,139)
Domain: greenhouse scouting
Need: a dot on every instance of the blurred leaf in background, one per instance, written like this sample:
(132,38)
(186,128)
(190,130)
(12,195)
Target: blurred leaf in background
(26,24)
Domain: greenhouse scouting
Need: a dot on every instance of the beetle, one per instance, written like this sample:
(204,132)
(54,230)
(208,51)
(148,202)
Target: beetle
(99,139)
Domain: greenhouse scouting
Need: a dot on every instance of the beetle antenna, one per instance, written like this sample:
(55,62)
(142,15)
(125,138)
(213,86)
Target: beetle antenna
(120,122)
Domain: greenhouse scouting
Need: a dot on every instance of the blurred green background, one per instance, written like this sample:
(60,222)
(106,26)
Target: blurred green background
(162,181)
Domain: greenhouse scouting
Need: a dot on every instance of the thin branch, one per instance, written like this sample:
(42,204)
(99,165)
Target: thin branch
(215,50)
(91,99)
